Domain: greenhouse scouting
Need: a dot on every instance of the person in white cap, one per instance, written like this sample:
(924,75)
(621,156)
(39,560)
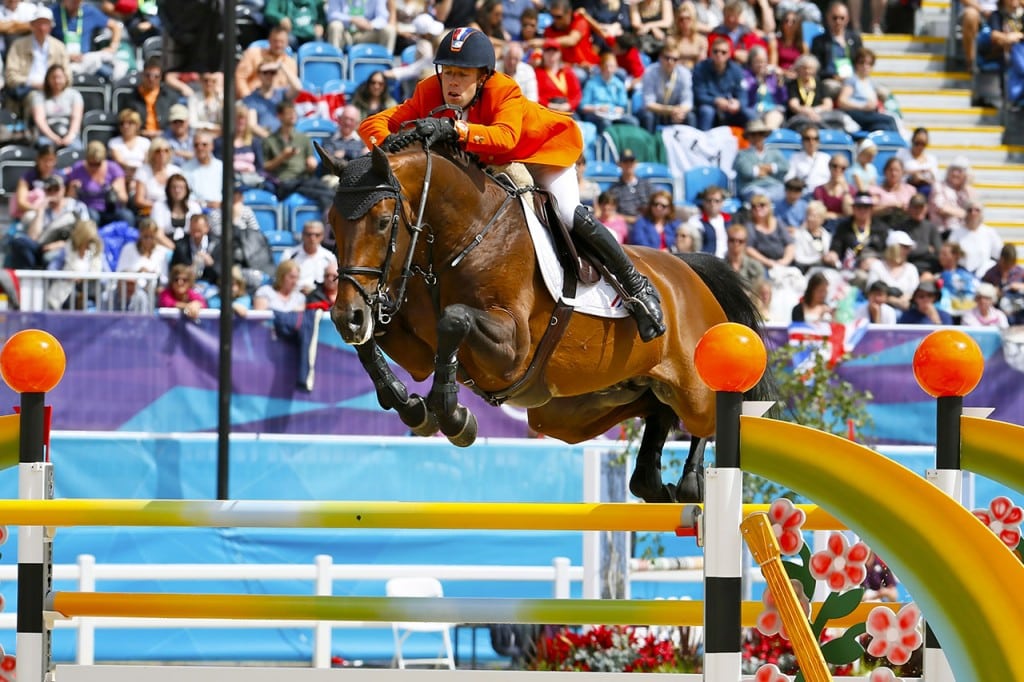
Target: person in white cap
(30,56)
(428,32)
(985,313)
(863,174)
(947,199)
(895,270)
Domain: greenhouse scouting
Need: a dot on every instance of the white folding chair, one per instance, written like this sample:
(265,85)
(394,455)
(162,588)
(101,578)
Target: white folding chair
(419,587)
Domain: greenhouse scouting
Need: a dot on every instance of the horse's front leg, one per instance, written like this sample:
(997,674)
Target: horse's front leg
(392,393)
(455,420)
(646,482)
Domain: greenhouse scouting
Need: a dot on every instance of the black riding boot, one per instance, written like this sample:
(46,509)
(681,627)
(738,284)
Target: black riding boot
(643,301)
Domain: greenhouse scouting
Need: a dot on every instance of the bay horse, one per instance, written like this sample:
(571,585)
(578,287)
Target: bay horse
(438,269)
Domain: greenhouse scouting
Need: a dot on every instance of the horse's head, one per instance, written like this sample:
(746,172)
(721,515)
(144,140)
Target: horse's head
(366,218)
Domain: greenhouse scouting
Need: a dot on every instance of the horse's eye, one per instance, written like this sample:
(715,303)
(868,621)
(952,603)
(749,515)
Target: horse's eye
(384,223)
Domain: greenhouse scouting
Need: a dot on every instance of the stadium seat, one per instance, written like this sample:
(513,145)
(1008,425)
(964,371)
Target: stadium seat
(266,208)
(696,180)
(888,143)
(365,58)
(659,175)
(317,128)
(785,140)
(98,125)
(837,142)
(320,63)
(15,160)
(604,173)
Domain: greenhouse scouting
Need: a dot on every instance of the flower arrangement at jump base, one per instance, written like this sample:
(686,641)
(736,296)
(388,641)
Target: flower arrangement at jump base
(618,648)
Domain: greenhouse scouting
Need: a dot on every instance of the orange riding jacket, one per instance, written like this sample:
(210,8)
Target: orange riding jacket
(504,126)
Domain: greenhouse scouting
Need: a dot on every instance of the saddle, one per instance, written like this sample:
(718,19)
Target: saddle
(517,181)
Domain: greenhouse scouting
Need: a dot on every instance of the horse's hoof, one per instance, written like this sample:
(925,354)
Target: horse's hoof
(467,434)
(691,487)
(420,420)
(650,490)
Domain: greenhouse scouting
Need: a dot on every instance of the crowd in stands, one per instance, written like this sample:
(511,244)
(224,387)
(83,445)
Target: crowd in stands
(910,239)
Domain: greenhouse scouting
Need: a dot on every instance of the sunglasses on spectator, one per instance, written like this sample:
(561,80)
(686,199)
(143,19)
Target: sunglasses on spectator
(734,240)
(660,204)
(811,137)
(837,166)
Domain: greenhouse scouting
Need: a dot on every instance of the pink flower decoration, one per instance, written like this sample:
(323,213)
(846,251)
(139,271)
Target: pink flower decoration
(769,622)
(840,565)
(1003,518)
(894,635)
(787,522)
(770,673)
(883,675)
(4,534)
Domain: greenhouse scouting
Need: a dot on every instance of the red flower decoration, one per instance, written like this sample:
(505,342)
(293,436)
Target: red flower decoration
(770,673)
(1003,518)
(840,565)
(787,522)
(894,635)
(769,621)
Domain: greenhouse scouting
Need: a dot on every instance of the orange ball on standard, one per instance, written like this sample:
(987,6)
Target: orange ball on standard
(32,361)
(948,363)
(730,357)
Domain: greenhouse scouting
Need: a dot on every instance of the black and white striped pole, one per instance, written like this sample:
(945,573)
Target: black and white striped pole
(730,358)
(32,363)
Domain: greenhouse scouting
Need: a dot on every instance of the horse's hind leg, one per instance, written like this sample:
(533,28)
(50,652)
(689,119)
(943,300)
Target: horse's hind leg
(690,487)
(392,393)
(646,481)
(455,420)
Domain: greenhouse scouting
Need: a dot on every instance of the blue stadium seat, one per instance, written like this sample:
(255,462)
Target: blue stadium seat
(316,127)
(888,142)
(810,30)
(266,208)
(837,142)
(589,131)
(696,180)
(785,140)
(320,63)
(299,210)
(604,173)
(365,58)
(659,175)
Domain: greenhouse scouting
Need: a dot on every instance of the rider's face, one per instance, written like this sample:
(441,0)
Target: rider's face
(459,85)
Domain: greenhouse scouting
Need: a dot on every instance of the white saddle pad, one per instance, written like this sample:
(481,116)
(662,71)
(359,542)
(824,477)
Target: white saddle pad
(598,299)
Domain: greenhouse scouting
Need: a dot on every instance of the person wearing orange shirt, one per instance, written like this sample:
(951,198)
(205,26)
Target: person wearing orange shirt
(573,33)
(493,120)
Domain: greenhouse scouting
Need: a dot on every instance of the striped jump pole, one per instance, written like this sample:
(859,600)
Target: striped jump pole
(32,363)
(947,365)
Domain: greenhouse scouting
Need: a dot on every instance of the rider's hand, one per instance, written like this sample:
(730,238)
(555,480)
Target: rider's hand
(434,130)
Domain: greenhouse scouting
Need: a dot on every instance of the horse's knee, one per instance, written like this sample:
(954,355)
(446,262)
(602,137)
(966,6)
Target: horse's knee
(455,323)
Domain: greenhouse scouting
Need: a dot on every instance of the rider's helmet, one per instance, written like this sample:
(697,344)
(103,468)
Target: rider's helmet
(467,47)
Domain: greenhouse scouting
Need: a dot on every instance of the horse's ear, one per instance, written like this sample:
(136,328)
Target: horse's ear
(327,160)
(380,163)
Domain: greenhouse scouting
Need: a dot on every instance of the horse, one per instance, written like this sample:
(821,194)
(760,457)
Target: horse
(438,270)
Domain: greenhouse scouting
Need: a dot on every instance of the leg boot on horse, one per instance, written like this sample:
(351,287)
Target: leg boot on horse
(642,301)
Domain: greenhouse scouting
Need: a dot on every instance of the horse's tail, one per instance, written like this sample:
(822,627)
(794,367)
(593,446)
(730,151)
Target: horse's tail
(737,301)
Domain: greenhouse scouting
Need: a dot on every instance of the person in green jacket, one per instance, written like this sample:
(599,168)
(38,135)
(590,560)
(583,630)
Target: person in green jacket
(304,19)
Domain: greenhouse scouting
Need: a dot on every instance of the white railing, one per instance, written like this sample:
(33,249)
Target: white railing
(321,574)
(43,290)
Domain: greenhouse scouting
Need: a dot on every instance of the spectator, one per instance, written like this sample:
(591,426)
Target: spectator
(247,76)
(895,270)
(947,201)
(263,99)
(687,240)
(83,253)
(206,108)
(608,213)
(283,296)
(427,33)
(738,258)
(588,188)
(181,292)
(248,156)
(812,241)
(957,283)
(651,21)
(201,251)
(711,224)
(631,193)
(985,314)
(857,237)
(140,18)
(205,173)
(311,257)
(740,36)
(925,234)
(836,47)
(893,193)
(78,25)
(558,88)
(490,19)
(527,26)
(572,32)
(57,110)
(877,9)
(350,22)
(303,19)
(372,96)
(173,212)
(512,64)
(513,19)
(836,193)
(604,96)
(179,135)
(807,103)
(99,184)
(29,59)
(290,163)
(861,99)
(152,99)
(152,176)
(760,169)
(242,217)
(790,43)
(667,91)
(973,15)
(863,173)
(129,148)
(656,226)
(30,185)
(768,242)
(241,301)
(810,164)
(765,96)
(145,255)
(45,227)
(690,41)
(877,310)
(15,18)
(923,310)
(1008,277)
(920,165)
(814,305)
(346,144)
(1006,25)
(718,89)
(981,244)
(709,15)
(791,210)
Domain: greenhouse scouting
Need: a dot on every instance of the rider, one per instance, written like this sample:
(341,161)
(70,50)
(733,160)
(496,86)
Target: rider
(499,125)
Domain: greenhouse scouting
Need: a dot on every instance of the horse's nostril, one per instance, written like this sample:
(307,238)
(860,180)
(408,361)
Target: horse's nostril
(356,319)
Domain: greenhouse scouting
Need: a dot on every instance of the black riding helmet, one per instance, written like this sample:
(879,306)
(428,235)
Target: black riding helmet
(466,47)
